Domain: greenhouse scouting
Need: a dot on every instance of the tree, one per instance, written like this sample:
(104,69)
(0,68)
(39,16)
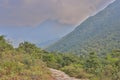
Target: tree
(29,48)
(93,64)
(4,45)
(112,67)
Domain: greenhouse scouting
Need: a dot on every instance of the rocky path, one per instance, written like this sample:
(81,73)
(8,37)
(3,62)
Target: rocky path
(59,75)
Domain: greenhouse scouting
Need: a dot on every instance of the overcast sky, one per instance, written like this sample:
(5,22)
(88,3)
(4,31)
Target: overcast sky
(64,14)
(34,12)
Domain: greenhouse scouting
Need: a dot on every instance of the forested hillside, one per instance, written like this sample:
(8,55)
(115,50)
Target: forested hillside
(99,33)
(28,62)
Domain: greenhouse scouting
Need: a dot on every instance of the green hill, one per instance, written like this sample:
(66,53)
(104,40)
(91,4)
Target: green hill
(99,33)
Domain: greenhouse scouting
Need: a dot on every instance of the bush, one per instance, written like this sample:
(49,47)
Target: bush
(76,70)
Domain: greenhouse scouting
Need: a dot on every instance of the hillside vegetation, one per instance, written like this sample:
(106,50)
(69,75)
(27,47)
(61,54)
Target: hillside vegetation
(28,62)
(99,33)
(22,63)
(91,66)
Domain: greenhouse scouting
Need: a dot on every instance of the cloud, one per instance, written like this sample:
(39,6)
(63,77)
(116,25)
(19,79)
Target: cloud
(34,12)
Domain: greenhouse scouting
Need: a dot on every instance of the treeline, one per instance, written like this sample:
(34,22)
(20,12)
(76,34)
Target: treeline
(28,62)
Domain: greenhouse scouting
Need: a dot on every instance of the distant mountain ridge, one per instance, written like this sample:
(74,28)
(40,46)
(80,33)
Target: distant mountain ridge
(99,33)
(46,43)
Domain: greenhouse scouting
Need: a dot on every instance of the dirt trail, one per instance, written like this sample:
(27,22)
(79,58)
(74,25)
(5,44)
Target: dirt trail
(59,75)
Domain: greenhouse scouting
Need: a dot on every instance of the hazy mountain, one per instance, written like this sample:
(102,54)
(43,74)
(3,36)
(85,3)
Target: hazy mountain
(46,43)
(48,31)
(99,33)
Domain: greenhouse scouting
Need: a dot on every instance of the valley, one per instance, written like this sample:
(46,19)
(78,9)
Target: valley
(90,52)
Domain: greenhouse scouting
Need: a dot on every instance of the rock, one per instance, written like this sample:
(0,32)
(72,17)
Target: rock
(59,75)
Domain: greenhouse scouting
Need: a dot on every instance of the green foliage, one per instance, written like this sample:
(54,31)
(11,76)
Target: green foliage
(76,70)
(22,63)
(31,49)
(28,62)
(58,60)
(4,45)
(91,66)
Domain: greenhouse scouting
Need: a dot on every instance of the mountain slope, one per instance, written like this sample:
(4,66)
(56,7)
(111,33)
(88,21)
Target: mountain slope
(99,33)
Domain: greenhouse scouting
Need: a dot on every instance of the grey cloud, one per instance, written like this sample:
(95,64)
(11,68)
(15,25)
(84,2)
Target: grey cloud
(34,12)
